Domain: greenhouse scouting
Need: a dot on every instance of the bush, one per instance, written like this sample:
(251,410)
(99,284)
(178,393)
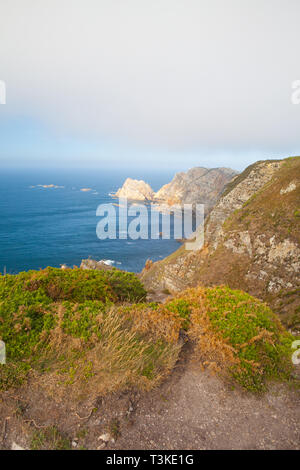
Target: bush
(238,336)
(64,324)
(77,285)
(28,302)
(67,326)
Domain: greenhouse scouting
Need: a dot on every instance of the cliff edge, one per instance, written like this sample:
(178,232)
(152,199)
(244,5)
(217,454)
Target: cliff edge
(252,241)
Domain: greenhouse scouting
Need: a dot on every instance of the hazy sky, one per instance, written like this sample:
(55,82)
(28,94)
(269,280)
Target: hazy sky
(171,83)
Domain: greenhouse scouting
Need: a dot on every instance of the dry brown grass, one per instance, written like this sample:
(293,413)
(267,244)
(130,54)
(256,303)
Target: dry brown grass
(237,337)
(156,323)
(210,348)
(125,355)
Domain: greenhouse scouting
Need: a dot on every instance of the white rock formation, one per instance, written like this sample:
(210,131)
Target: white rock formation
(135,190)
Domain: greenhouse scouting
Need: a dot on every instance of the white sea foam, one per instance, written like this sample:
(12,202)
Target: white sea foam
(110,262)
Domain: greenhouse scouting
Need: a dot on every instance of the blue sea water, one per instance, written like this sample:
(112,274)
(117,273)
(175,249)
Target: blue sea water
(42,227)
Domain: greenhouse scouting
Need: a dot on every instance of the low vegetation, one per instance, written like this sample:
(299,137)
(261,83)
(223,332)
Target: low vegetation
(64,324)
(78,331)
(49,438)
(238,336)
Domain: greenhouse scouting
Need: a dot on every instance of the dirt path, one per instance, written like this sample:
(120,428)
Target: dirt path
(191,410)
(202,414)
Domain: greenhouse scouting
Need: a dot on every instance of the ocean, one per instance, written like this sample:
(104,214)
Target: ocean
(42,227)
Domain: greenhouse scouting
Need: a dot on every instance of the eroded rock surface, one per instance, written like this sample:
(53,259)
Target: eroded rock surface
(252,241)
(136,190)
(198,185)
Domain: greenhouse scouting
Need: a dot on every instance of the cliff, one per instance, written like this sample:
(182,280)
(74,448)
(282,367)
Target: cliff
(252,241)
(135,190)
(88,359)
(198,185)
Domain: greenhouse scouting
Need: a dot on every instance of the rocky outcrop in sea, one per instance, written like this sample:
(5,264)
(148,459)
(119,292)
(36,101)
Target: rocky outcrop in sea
(198,185)
(136,190)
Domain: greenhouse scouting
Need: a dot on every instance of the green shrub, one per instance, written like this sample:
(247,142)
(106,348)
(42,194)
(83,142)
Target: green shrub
(237,335)
(63,323)
(182,308)
(77,285)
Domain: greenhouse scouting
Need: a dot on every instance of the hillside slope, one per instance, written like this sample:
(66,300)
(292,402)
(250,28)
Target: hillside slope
(252,241)
(85,370)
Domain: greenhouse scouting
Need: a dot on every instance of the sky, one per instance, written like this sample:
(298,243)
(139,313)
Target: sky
(161,84)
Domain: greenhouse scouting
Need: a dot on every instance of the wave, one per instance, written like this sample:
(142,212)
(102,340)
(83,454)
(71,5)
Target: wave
(110,262)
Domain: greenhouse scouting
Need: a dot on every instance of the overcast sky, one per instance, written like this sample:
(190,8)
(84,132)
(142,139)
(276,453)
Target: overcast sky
(171,83)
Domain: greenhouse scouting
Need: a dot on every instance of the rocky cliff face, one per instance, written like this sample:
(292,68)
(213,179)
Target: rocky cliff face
(252,241)
(198,185)
(135,190)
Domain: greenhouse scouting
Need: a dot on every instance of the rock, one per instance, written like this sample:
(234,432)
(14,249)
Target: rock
(101,446)
(135,190)
(15,446)
(93,264)
(198,185)
(148,264)
(251,241)
(236,195)
(291,187)
(104,437)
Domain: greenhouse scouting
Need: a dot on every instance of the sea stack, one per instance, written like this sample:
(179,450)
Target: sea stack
(136,190)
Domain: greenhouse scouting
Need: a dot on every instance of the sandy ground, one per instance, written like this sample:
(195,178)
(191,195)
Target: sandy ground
(190,410)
